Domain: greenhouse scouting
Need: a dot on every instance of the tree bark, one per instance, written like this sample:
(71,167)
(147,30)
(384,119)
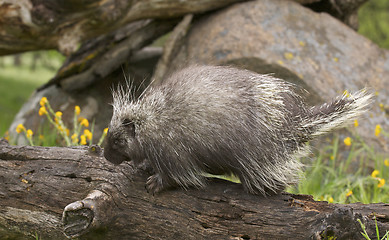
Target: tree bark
(52,191)
(63,25)
(34,25)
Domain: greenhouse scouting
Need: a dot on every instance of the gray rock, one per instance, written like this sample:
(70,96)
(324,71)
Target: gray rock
(314,50)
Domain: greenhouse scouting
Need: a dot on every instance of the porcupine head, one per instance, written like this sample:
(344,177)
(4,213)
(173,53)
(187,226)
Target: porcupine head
(222,120)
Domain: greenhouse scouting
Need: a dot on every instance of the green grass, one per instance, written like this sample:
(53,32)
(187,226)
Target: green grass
(17,85)
(345,176)
(374,21)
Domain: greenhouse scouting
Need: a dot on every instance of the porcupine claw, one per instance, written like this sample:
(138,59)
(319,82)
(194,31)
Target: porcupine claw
(154,184)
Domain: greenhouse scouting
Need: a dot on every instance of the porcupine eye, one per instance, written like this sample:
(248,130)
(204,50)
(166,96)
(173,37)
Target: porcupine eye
(129,126)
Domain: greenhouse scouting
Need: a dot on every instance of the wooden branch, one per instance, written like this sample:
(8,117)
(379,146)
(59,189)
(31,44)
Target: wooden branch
(49,191)
(63,25)
(97,58)
(171,48)
(33,25)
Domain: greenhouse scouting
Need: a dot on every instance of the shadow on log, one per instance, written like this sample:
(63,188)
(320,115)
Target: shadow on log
(51,192)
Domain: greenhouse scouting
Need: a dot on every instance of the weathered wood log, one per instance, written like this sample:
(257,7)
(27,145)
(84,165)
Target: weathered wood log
(32,25)
(97,58)
(63,25)
(52,191)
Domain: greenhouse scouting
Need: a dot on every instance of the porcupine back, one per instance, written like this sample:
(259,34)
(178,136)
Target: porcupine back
(221,120)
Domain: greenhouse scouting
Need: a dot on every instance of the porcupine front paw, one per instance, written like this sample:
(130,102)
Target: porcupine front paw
(154,184)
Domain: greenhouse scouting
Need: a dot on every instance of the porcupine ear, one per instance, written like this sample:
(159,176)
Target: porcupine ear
(129,126)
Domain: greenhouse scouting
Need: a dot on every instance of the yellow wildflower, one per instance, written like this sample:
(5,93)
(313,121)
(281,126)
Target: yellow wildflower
(330,200)
(84,122)
(20,128)
(302,44)
(59,127)
(67,132)
(356,124)
(58,114)
(381,182)
(386,162)
(336,59)
(43,101)
(105,130)
(83,140)
(375,173)
(29,133)
(6,135)
(88,134)
(288,55)
(349,193)
(41,137)
(74,138)
(382,107)
(347,141)
(77,110)
(42,111)
(332,157)
(377,130)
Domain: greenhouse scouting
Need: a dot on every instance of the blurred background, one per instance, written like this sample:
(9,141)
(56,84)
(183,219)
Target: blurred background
(21,74)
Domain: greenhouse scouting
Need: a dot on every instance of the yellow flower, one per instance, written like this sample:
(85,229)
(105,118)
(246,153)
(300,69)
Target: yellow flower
(41,137)
(42,111)
(386,162)
(83,140)
(347,141)
(43,101)
(375,173)
(332,157)
(288,55)
(84,122)
(59,127)
(88,134)
(105,130)
(74,138)
(377,130)
(6,135)
(77,110)
(381,182)
(382,107)
(20,128)
(58,114)
(29,133)
(349,193)
(330,200)
(67,132)
(356,123)
(336,59)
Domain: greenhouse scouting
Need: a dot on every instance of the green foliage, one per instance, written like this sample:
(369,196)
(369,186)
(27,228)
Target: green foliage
(355,174)
(61,133)
(364,233)
(374,21)
(18,82)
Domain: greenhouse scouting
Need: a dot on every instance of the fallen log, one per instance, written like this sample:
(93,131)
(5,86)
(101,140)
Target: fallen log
(56,192)
(38,25)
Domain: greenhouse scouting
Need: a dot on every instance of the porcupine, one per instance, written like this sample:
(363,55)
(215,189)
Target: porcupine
(222,120)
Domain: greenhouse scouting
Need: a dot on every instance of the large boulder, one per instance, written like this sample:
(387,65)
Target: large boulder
(314,50)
